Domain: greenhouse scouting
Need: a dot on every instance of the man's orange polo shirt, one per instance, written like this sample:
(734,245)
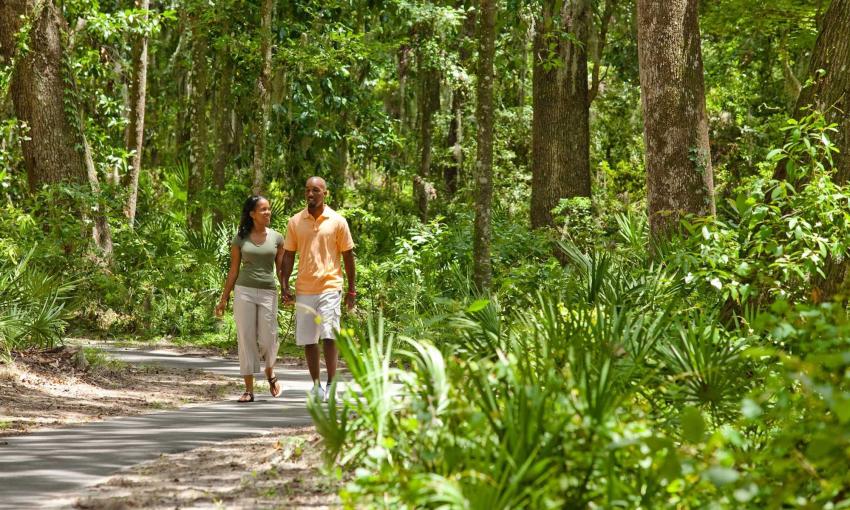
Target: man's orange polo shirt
(319,243)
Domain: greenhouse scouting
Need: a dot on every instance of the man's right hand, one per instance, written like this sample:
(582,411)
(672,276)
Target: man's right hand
(286,297)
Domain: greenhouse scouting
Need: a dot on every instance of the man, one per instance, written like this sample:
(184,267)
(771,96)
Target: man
(319,235)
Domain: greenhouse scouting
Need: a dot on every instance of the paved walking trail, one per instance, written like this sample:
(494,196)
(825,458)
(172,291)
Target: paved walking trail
(36,467)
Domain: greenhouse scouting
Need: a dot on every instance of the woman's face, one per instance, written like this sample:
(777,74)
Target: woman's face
(262,213)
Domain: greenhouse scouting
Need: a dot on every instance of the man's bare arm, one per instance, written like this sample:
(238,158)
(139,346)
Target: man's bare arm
(350,274)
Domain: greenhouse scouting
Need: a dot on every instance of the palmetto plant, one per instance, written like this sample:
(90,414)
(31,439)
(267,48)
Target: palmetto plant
(636,282)
(704,366)
(517,413)
(368,356)
(32,306)
(210,244)
(633,231)
(478,331)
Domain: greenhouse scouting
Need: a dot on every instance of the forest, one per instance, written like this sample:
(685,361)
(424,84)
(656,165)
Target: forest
(601,245)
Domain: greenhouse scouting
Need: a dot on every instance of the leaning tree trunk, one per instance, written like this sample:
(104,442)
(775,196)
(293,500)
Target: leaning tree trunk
(599,38)
(263,96)
(197,121)
(678,160)
(51,149)
(484,155)
(828,91)
(828,86)
(560,129)
(136,127)
(101,233)
(429,103)
(42,99)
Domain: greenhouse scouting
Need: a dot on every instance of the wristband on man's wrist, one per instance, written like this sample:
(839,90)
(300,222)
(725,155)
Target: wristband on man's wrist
(351,293)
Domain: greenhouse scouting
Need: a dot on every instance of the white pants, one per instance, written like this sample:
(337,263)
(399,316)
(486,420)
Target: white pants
(255,311)
(317,317)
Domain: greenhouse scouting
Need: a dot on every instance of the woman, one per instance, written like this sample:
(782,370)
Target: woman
(256,255)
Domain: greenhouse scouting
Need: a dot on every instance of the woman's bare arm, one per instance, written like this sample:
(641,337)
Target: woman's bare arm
(232,274)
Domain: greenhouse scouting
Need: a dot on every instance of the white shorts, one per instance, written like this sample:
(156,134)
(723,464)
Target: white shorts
(317,317)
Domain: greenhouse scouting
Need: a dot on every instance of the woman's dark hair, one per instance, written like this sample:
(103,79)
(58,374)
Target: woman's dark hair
(245,222)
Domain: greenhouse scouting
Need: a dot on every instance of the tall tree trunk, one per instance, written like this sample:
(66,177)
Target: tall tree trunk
(561,119)
(403,57)
(38,93)
(263,96)
(181,72)
(342,164)
(224,132)
(429,103)
(484,155)
(452,170)
(197,121)
(678,159)
(526,40)
(451,173)
(136,127)
(112,175)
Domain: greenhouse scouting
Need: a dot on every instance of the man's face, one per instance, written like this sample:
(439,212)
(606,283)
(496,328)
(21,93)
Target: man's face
(315,193)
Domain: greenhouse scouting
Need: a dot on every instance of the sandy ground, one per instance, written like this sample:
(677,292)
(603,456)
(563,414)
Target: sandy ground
(277,470)
(281,469)
(53,388)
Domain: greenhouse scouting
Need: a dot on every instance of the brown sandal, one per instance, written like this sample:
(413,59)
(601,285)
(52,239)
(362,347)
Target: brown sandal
(243,400)
(272,385)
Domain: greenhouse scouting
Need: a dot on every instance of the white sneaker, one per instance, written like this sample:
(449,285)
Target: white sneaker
(318,392)
(328,391)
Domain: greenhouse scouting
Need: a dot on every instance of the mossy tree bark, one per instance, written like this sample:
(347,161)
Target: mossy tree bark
(678,159)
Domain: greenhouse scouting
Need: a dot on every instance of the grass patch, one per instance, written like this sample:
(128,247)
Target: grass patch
(97,359)
(227,344)
(219,341)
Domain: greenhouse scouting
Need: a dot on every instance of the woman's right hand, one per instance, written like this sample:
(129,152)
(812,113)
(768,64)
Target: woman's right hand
(220,307)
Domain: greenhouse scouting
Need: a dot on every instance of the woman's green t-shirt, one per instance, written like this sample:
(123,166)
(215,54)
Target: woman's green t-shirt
(257,268)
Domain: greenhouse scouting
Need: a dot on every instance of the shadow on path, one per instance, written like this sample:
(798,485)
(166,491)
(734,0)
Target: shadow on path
(34,466)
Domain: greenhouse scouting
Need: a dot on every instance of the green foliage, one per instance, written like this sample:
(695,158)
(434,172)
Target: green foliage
(577,221)
(778,235)
(597,374)
(12,133)
(635,381)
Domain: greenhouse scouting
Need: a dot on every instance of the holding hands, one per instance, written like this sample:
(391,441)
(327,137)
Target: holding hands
(286,297)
